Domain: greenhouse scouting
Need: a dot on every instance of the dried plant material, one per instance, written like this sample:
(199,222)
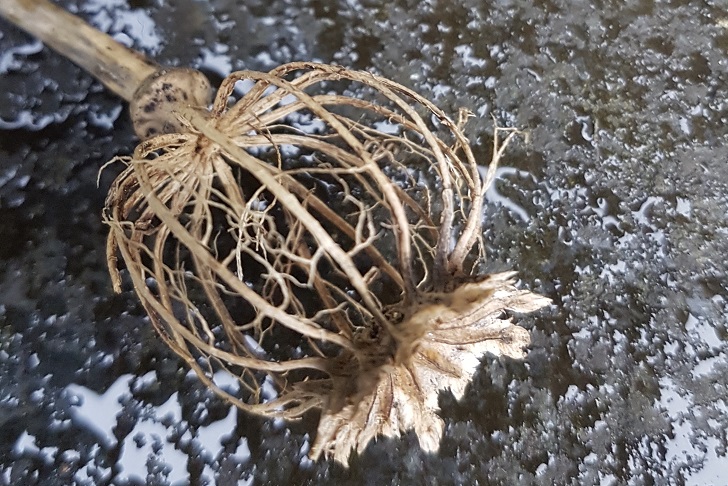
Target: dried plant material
(319,240)
(153,106)
(460,328)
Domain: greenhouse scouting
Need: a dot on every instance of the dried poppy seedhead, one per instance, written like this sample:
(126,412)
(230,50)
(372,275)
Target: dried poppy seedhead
(319,240)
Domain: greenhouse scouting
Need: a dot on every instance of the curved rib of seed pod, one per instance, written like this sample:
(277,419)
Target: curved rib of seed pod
(159,313)
(395,205)
(313,142)
(262,119)
(248,141)
(256,101)
(477,186)
(475,218)
(299,190)
(447,196)
(124,196)
(253,166)
(264,307)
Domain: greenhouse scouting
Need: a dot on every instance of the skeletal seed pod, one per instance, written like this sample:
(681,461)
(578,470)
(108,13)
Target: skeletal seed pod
(319,240)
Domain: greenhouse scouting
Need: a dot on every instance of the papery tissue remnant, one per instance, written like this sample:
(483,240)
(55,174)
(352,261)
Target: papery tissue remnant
(458,329)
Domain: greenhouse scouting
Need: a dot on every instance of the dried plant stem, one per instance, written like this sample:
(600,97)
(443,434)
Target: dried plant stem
(120,69)
(154,93)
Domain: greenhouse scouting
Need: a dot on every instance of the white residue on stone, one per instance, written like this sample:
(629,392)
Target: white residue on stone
(140,383)
(465,51)
(676,405)
(704,330)
(104,120)
(268,390)
(685,125)
(125,25)
(147,437)
(8,174)
(533,73)
(586,127)
(715,466)
(641,215)
(12,59)
(33,361)
(26,121)
(288,99)
(709,365)
(306,124)
(216,59)
(388,127)
(493,196)
(496,53)
(227,381)
(288,151)
(211,435)
(684,206)
(97,413)
(265,59)
(440,90)
(613,271)
(253,345)
(26,444)
(305,462)
(170,410)
(483,110)
(602,209)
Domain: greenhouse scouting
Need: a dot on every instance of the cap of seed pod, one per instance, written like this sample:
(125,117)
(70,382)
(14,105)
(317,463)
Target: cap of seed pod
(155,102)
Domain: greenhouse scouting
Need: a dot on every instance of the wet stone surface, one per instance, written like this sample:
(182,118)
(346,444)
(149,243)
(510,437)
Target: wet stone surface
(615,208)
